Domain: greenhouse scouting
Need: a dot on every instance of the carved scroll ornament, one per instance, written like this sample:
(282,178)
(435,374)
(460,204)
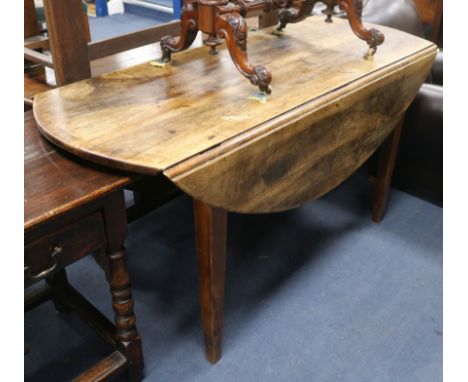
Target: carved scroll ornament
(224,20)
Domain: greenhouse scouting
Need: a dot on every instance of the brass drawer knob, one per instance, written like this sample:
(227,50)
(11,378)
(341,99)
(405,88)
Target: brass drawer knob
(54,253)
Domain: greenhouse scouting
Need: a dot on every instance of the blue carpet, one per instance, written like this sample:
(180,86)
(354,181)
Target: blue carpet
(166,3)
(319,293)
(151,13)
(111,26)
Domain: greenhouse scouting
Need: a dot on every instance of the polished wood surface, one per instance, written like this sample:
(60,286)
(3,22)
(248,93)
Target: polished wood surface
(193,127)
(56,182)
(37,80)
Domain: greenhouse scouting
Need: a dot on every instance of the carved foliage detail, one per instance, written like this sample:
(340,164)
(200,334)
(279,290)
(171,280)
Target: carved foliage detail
(188,32)
(239,30)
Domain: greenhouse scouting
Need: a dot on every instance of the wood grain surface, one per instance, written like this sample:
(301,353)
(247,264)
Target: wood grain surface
(307,152)
(56,182)
(68,37)
(330,109)
(31,26)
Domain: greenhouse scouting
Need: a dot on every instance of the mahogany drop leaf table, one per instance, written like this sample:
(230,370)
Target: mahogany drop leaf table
(194,122)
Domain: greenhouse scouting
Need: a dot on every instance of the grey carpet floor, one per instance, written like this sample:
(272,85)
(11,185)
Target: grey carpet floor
(319,293)
(110,26)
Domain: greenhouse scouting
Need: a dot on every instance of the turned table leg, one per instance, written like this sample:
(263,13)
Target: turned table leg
(387,157)
(210,227)
(122,303)
(127,336)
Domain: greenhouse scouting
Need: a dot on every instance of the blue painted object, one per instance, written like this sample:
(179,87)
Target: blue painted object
(177,6)
(101,8)
(151,14)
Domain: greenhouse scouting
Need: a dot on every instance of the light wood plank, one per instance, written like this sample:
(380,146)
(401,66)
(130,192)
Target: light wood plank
(37,42)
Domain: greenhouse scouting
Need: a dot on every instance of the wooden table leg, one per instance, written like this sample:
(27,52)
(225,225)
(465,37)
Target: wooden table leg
(210,227)
(58,280)
(122,301)
(387,157)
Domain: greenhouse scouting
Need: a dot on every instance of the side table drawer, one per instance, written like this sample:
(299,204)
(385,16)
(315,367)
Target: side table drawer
(59,248)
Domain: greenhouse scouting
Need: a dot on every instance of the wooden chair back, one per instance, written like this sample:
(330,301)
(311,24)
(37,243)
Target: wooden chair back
(71,50)
(68,40)
(31,25)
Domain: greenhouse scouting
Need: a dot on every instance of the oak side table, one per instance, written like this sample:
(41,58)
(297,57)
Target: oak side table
(71,209)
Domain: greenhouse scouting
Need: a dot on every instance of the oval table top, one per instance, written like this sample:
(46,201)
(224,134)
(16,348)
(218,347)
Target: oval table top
(194,120)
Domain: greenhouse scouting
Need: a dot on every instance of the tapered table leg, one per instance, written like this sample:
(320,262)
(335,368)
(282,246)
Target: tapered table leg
(210,227)
(387,157)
